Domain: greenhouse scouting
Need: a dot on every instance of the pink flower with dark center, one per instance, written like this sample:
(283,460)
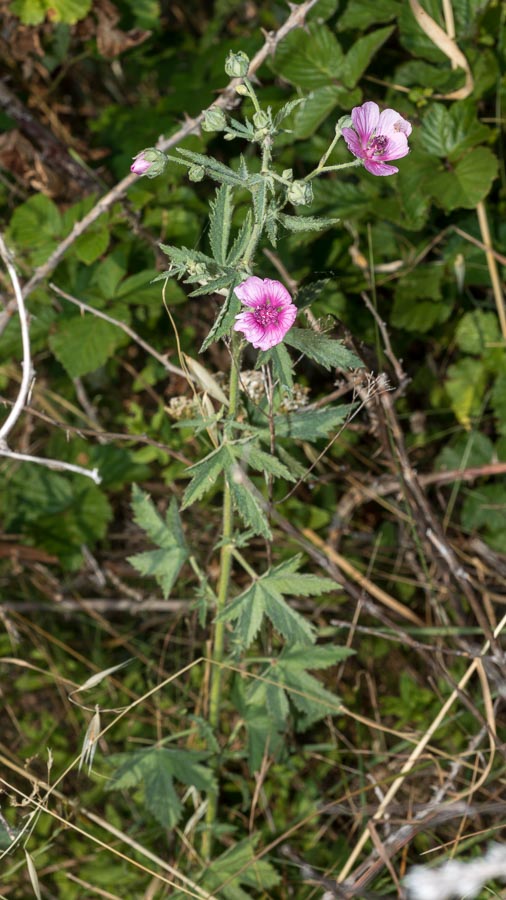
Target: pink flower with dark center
(270,315)
(377,137)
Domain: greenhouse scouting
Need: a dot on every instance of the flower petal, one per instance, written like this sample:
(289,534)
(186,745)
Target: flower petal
(251,291)
(396,148)
(276,292)
(379,168)
(365,119)
(353,142)
(391,121)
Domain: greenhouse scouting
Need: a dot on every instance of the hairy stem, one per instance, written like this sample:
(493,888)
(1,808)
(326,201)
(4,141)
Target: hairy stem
(226,556)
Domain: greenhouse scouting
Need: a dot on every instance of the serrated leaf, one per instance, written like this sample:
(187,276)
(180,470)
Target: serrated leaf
(91,245)
(498,400)
(220,221)
(259,197)
(282,367)
(84,343)
(241,241)
(213,285)
(362,13)
(324,350)
(204,475)
(290,675)
(155,770)
(310,292)
(306,223)
(312,424)
(320,103)
(448,132)
(361,53)
(476,330)
(215,169)
(239,866)
(287,109)
(250,455)
(224,320)
(309,58)
(266,597)
(163,564)
(468,182)
(165,534)
(465,386)
(248,507)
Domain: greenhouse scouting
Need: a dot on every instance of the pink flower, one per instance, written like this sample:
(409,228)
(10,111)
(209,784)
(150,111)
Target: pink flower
(378,137)
(140,165)
(271,313)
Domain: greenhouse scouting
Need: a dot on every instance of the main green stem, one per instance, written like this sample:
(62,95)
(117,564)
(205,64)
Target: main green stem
(226,556)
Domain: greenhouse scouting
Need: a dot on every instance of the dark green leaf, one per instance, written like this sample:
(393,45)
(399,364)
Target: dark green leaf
(326,351)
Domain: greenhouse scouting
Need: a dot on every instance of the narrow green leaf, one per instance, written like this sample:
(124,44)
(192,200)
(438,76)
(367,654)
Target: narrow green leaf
(306,223)
(248,507)
(220,221)
(224,320)
(241,241)
(311,424)
(251,455)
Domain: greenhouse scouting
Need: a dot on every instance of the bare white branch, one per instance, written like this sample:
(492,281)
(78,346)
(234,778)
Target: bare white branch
(28,373)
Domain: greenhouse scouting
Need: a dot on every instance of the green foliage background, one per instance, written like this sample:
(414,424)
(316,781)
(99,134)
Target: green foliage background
(412,242)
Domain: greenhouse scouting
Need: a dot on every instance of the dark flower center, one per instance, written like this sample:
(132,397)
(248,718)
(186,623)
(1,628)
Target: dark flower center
(378,144)
(266,315)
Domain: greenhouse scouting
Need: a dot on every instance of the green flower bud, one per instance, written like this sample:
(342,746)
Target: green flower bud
(214,119)
(242,90)
(300,193)
(261,119)
(343,122)
(237,64)
(196,173)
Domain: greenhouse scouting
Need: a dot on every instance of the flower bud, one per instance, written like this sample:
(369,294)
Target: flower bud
(214,119)
(343,122)
(237,64)
(242,90)
(300,193)
(196,173)
(150,162)
(261,119)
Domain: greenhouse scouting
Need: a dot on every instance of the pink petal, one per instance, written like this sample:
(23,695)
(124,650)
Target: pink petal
(391,121)
(251,291)
(397,147)
(353,142)
(378,168)
(276,292)
(365,119)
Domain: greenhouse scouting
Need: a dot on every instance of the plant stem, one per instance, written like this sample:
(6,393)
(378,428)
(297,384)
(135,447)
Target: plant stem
(346,165)
(221,600)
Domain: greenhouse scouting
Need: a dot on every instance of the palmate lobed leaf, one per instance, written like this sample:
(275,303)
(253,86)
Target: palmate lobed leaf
(266,597)
(155,769)
(164,563)
(289,680)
